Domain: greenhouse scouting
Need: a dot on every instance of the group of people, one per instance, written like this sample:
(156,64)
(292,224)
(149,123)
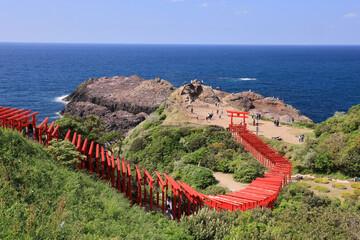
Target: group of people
(257,117)
(301,138)
(276,123)
(209,116)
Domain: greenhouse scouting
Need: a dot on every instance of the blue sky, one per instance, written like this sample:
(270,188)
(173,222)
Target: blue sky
(181,21)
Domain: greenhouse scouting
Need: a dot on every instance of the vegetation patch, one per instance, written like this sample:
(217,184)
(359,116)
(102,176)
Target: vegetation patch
(304,184)
(321,180)
(357,192)
(40,198)
(322,189)
(298,214)
(339,186)
(355,185)
(347,195)
(190,153)
(335,148)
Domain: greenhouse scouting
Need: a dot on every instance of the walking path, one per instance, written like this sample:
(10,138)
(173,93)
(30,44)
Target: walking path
(226,180)
(266,128)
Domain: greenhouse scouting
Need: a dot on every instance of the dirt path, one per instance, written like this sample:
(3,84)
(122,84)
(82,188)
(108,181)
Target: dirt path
(266,128)
(226,180)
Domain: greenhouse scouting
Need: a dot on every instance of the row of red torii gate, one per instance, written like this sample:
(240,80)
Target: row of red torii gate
(153,193)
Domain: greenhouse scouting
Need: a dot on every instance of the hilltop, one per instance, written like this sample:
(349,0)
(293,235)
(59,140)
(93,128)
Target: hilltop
(122,102)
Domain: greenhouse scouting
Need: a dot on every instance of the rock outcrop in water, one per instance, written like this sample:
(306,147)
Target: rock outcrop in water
(120,102)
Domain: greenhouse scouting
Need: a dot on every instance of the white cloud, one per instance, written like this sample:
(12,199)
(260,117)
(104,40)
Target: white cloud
(177,0)
(350,15)
(204,4)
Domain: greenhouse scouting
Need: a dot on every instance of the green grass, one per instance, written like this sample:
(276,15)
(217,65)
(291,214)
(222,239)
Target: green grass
(339,185)
(322,189)
(304,184)
(321,180)
(41,199)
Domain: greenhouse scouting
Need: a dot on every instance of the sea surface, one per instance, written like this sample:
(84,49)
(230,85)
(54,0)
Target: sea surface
(318,80)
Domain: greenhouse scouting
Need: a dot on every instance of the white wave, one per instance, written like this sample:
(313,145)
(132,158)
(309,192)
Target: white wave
(238,79)
(61,99)
(57,116)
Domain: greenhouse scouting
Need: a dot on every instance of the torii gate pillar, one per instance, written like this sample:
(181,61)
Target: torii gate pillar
(233,114)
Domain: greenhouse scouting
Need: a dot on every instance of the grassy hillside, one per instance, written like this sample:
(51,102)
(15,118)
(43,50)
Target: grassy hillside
(336,147)
(42,199)
(179,148)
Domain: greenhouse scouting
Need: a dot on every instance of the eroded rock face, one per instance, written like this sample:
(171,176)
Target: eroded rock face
(244,101)
(120,102)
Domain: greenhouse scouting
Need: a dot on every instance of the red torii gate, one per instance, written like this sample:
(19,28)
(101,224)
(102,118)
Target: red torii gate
(233,114)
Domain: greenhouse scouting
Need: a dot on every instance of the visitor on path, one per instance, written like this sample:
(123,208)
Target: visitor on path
(253,122)
(278,122)
(169,212)
(217,111)
(302,137)
(192,110)
(299,138)
(274,123)
(197,118)
(207,117)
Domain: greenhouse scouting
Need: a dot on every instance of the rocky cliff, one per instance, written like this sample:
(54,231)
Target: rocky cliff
(120,102)
(197,95)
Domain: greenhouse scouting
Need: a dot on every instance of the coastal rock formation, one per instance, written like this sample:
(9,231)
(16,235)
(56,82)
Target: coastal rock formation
(271,108)
(120,102)
(195,94)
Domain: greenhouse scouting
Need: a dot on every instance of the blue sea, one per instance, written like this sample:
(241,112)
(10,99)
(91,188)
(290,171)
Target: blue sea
(318,80)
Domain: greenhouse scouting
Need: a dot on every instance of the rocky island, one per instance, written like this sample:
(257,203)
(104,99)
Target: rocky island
(123,102)
(120,102)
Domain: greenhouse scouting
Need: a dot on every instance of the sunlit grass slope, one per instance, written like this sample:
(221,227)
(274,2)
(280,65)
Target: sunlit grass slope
(41,199)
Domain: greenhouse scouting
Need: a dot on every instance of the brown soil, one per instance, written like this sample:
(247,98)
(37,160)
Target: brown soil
(266,128)
(226,180)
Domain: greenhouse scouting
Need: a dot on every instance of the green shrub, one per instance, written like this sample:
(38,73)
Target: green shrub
(112,136)
(355,185)
(208,224)
(323,163)
(197,177)
(322,189)
(347,195)
(138,144)
(195,157)
(304,184)
(321,180)
(339,186)
(65,152)
(247,172)
(357,192)
(215,190)
(163,116)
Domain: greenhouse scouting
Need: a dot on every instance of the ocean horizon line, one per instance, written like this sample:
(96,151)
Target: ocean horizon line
(186,44)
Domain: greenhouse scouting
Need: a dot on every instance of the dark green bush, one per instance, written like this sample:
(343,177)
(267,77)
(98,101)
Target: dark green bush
(248,172)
